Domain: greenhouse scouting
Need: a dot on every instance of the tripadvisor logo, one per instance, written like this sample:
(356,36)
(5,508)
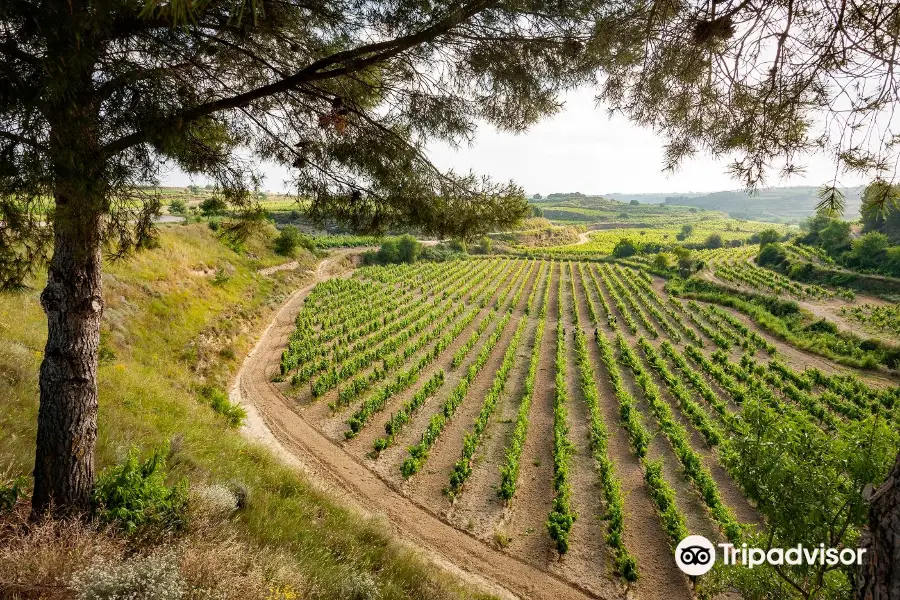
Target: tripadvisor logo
(696,555)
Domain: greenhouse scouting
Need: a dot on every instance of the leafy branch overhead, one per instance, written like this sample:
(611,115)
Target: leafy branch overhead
(349,97)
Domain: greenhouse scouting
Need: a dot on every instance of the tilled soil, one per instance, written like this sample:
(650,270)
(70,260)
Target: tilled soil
(506,548)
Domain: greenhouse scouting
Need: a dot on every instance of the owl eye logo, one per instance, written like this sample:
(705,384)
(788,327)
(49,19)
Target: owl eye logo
(695,555)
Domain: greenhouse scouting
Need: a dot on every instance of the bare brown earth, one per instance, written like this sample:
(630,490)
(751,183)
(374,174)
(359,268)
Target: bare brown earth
(274,421)
(504,548)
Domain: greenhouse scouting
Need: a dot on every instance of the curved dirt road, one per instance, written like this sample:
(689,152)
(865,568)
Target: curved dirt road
(272,421)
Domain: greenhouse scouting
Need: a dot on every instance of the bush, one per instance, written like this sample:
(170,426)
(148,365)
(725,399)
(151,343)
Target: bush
(408,249)
(768,236)
(686,230)
(290,240)
(212,207)
(713,242)
(661,261)
(823,326)
(404,249)
(134,496)
(177,206)
(772,254)
(153,577)
(485,245)
(459,246)
(624,248)
(219,402)
(10,492)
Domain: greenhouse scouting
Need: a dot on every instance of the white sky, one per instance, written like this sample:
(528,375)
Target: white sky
(580,149)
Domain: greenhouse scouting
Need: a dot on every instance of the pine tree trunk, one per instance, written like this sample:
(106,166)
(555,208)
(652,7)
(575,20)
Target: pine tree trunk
(879,575)
(67,419)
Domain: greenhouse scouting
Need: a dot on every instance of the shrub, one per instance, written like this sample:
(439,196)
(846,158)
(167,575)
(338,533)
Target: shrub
(459,246)
(290,240)
(408,249)
(661,261)
(485,245)
(218,400)
(152,577)
(768,236)
(624,248)
(10,491)
(772,254)
(177,206)
(686,230)
(213,206)
(213,502)
(713,241)
(134,496)
(404,249)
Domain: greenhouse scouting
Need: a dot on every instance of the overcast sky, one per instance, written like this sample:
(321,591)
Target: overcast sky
(581,149)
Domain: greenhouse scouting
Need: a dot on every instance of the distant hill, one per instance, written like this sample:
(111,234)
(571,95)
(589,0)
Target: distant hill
(775,204)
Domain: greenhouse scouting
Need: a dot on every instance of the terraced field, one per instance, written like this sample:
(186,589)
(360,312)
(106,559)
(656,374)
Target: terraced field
(570,415)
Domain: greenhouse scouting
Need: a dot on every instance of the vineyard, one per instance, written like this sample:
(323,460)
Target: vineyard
(574,416)
(736,266)
(661,235)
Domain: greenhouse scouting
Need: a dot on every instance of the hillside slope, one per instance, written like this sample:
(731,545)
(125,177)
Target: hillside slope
(177,323)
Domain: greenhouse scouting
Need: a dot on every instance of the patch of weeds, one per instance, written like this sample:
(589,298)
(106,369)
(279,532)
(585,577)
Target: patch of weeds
(501,538)
(11,491)
(133,495)
(219,402)
(221,278)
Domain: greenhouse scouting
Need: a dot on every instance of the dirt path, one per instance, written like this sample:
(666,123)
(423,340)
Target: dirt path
(272,422)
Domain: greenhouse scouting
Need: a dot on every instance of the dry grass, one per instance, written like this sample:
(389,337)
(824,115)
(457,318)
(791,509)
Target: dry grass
(169,330)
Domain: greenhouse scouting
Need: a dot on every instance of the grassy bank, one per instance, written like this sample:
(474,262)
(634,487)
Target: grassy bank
(178,320)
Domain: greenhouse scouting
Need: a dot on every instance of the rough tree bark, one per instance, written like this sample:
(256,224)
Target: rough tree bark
(67,419)
(879,575)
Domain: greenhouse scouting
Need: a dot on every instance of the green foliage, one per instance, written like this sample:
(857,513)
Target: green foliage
(10,492)
(624,248)
(686,231)
(785,321)
(835,238)
(290,240)
(663,496)
(713,241)
(831,201)
(178,206)
(459,245)
(218,400)
(134,496)
(768,236)
(472,439)
(869,250)
(661,261)
(485,244)
(509,470)
(213,206)
(771,254)
(809,485)
(418,453)
(562,516)
(403,249)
